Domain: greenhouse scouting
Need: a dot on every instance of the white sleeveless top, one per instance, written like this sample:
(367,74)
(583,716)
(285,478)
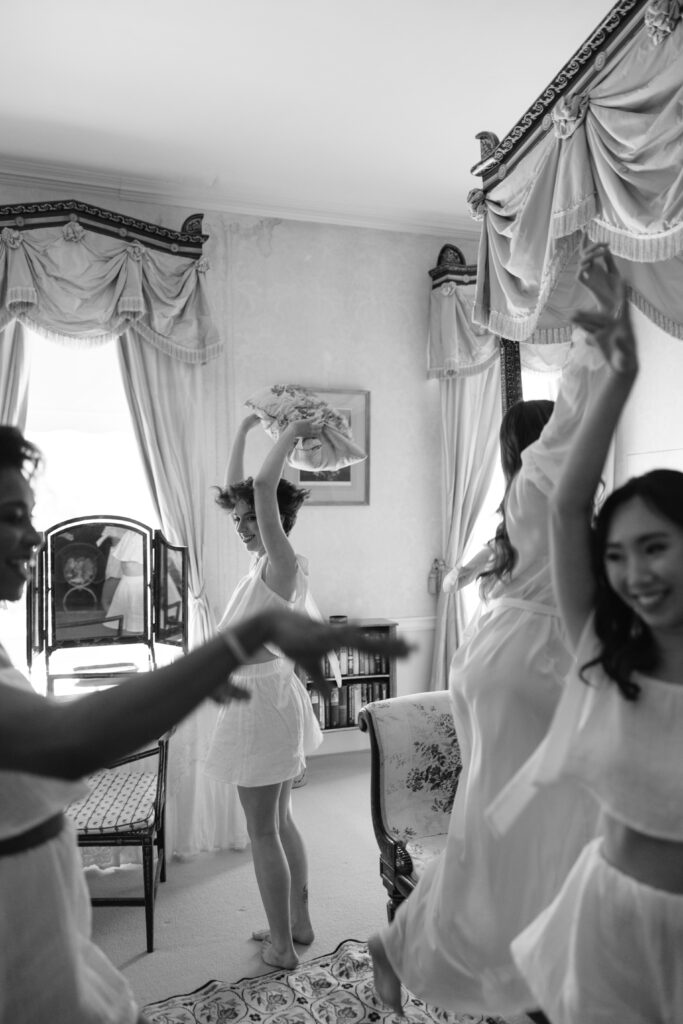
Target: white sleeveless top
(252,594)
(629,754)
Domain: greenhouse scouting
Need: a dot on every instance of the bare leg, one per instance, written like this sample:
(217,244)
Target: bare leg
(295,852)
(260,805)
(387,982)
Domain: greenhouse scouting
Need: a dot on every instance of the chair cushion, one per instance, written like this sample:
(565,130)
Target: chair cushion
(119,801)
(422,849)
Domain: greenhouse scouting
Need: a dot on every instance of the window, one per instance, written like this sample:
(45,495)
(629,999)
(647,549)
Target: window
(79,417)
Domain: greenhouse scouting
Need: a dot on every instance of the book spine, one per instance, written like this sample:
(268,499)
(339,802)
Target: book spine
(343,706)
(334,709)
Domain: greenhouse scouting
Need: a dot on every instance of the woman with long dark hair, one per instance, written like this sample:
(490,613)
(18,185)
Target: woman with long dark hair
(449,944)
(610,945)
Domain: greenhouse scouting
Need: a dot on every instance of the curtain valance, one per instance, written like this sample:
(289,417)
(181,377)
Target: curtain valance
(606,158)
(69,269)
(456,346)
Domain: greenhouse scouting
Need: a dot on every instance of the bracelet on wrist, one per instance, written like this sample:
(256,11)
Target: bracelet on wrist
(234,645)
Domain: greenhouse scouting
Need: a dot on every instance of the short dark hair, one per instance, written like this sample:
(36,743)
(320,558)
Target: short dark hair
(18,453)
(627,645)
(290,498)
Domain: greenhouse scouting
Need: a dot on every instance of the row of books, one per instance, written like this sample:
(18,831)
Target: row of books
(353,662)
(342,707)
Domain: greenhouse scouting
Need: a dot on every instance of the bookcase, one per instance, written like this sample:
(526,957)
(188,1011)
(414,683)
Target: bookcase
(365,677)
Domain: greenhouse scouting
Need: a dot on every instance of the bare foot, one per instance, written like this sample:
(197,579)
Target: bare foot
(273,959)
(303,937)
(387,982)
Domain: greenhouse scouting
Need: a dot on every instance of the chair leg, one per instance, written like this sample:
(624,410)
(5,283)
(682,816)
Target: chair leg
(161,850)
(148,879)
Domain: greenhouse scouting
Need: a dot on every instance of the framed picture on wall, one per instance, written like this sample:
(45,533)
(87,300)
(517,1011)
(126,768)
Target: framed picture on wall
(351,484)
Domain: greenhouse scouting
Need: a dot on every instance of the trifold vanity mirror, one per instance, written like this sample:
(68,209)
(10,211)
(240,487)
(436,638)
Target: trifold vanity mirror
(108,598)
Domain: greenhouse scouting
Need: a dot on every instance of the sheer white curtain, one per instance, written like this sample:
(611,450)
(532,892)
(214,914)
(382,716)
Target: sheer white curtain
(465,359)
(166,399)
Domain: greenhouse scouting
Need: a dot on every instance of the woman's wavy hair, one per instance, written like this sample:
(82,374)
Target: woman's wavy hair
(290,498)
(521,426)
(626,641)
(18,453)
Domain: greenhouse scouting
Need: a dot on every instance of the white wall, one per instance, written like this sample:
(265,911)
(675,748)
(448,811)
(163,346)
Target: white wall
(337,307)
(650,435)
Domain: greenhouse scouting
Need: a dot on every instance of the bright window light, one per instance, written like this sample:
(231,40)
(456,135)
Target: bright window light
(79,418)
(535,385)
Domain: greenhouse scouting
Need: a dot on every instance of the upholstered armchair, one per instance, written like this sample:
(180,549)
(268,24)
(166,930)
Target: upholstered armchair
(415,765)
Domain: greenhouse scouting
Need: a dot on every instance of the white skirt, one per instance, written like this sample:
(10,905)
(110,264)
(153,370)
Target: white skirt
(608,949)
(264,740)
(49,968)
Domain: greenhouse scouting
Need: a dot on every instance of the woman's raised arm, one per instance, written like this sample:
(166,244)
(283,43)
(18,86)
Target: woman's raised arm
(571,504)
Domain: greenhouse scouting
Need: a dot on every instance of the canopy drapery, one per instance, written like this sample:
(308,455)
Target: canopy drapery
(600,152)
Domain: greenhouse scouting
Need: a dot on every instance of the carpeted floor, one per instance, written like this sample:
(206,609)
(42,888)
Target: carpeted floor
(335,988)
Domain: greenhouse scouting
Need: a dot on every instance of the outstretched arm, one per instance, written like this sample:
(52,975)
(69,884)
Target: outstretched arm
(571,504)
(462,575)
(69,740)
(281,571)
(235,468)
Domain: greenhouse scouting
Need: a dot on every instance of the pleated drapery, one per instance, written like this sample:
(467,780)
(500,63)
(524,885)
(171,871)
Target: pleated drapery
(604,158)
(165,397)
(465,360)
(72,270)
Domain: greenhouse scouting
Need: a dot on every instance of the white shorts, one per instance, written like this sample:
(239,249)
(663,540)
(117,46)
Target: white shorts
(608,949)
(264,740)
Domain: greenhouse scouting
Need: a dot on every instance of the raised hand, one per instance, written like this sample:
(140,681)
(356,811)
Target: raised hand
(610,324)
(599,273)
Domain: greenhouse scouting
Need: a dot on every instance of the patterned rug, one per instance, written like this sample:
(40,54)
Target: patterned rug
(332,989)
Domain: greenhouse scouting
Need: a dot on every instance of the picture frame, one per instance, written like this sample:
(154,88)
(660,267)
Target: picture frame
(350,485)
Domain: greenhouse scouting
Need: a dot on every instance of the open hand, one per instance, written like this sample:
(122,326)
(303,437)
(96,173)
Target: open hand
(305,641)
(610,324)
(599,273)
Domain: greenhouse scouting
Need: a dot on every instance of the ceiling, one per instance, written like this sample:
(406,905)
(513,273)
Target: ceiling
(358,112)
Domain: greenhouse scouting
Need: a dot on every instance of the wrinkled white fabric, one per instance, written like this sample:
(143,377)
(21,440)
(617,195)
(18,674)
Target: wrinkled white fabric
(450,941)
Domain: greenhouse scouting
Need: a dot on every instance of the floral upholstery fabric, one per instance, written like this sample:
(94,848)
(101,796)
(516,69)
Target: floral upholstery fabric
(119,801)
(420,765)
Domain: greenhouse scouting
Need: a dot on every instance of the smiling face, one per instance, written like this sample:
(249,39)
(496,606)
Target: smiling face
(18,537)
(244,518)
(644,564)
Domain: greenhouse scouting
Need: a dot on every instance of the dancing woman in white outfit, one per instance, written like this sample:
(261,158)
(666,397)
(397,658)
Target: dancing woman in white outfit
(449,943)
(263,750)
(609,948)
